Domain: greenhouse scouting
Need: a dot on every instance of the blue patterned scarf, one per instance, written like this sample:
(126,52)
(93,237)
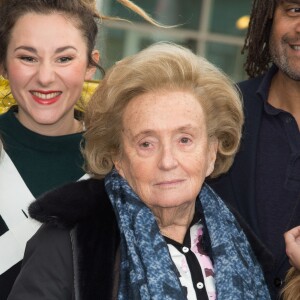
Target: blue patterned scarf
(147,270)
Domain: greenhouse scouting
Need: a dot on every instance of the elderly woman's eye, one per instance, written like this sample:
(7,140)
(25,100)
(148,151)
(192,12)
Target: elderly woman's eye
(145,144)
(184,140)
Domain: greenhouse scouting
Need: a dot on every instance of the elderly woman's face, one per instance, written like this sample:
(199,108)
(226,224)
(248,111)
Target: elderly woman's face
(166,153)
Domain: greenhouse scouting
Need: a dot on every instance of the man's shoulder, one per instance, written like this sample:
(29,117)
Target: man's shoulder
(253,91)
(257,84)
(250,85)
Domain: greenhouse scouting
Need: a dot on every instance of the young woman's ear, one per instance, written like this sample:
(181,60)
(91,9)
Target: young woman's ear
(91,70)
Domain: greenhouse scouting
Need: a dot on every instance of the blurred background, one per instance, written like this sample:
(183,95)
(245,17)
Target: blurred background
(214,29)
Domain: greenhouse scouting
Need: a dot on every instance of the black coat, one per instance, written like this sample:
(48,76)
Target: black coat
(74,255)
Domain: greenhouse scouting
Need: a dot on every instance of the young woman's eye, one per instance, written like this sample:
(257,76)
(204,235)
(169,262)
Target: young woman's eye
(65,59)
(28,58)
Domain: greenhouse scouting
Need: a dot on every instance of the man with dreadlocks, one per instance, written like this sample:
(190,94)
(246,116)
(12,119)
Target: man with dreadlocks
(264,182)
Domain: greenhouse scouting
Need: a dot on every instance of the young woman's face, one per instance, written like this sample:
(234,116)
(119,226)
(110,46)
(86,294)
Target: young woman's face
(46,66)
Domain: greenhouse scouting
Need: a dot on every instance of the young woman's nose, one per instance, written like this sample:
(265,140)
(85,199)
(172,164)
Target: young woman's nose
(45,74)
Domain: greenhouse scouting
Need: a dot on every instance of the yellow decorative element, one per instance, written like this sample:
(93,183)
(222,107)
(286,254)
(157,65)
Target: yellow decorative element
(242,22)
(7,100)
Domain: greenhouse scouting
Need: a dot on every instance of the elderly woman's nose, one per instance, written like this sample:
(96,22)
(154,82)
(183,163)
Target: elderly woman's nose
(45,74)
(167,158)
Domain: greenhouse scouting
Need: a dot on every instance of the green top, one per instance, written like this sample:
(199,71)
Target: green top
(44,162)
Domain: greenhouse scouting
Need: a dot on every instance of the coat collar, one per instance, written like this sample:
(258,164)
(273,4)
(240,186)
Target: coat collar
(71,203)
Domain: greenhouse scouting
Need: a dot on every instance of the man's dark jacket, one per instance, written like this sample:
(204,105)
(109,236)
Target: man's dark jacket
(237,187)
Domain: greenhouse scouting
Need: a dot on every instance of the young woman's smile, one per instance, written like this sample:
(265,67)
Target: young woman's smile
(45,98)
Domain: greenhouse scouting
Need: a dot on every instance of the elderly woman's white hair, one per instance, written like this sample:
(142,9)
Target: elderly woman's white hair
(162,66)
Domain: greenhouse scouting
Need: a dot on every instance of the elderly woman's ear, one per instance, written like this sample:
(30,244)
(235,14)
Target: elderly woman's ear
(118,164)
(212,155)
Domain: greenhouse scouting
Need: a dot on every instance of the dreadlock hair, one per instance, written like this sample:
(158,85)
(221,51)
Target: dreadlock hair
(257,38)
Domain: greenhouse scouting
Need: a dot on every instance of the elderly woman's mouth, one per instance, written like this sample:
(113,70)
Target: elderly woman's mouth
(168,183)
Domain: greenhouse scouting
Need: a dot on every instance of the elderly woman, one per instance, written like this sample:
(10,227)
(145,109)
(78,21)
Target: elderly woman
(161,122)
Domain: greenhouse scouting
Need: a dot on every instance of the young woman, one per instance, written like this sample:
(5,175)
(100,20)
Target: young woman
(46,53)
